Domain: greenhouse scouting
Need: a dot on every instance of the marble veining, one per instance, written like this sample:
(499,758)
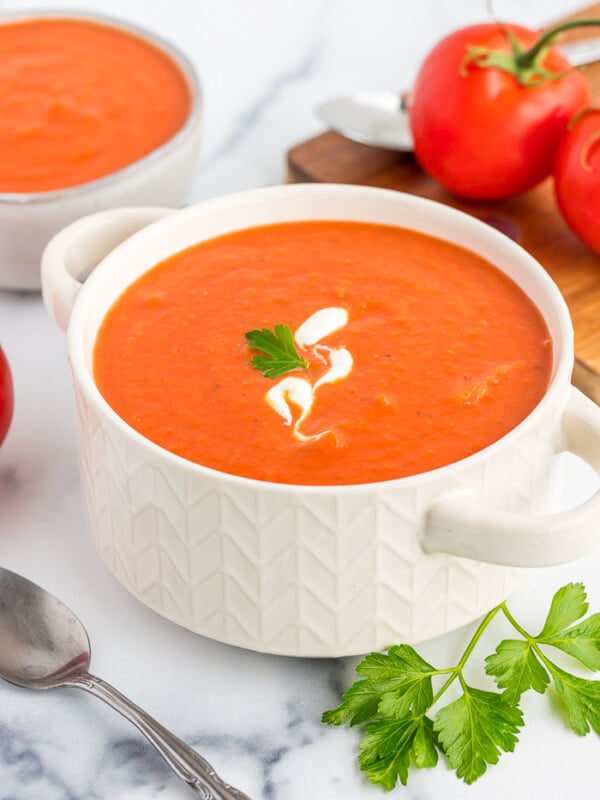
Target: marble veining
(265,66)
(126,763)
(251,116)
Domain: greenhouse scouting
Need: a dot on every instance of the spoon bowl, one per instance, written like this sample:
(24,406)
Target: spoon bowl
(380,119)
(43,645)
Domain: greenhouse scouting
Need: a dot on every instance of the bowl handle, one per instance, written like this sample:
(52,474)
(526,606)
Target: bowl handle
(74,252)
(460,525)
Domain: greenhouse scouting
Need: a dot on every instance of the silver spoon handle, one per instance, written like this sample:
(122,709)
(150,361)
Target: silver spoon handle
(186,763)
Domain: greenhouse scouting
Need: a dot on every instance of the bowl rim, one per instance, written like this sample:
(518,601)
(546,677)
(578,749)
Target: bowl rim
(555,395)
(179,138)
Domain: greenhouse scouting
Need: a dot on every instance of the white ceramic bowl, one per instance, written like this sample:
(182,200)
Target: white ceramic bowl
(28,221)
(316,570)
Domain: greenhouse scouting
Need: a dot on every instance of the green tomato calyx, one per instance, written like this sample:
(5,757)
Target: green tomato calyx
(527,66)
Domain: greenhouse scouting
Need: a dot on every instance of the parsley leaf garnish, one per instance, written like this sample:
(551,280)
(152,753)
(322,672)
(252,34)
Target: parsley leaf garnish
(391,745)
(516,669)
(399,682)
(474,729)
(279,348)
(568,605)
(407,727)
(581,641)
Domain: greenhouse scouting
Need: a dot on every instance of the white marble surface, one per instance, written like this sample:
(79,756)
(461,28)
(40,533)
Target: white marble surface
(265,65)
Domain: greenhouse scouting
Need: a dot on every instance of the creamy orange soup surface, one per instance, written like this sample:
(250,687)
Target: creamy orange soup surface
(420,353)
(79,100)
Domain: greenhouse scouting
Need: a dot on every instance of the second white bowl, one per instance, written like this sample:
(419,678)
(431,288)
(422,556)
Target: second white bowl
(28,221)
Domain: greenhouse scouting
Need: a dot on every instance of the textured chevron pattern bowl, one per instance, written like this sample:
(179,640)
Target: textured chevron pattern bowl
(314,571)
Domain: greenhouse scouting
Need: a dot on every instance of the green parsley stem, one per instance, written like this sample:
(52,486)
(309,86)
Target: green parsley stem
(543,657)
(446,684)
(478,634)
(515,624)
(531,639)
(456,672)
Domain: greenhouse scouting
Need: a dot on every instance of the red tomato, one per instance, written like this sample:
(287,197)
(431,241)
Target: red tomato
(6,396)
(577,177)
(477,130)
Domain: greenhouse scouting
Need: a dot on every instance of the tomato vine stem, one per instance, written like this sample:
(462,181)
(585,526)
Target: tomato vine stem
(528,58)
(525,65)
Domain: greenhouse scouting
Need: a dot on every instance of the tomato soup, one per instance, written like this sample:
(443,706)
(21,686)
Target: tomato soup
(79,100)
(418,353)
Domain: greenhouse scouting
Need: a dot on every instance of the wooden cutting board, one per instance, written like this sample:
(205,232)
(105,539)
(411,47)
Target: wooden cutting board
(533,218)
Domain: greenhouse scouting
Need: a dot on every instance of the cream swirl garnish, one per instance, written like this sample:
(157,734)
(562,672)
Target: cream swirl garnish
(299,391)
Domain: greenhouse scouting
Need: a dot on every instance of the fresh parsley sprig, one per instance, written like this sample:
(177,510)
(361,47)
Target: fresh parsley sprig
(395,697)
(280,352)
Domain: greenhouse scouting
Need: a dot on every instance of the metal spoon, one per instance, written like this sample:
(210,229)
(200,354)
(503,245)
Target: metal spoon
(380,119)
(44,645)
